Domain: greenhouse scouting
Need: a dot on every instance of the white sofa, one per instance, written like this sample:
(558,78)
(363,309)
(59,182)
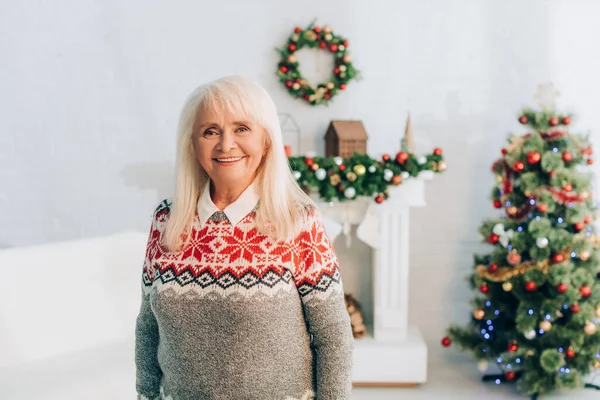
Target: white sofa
(67,318)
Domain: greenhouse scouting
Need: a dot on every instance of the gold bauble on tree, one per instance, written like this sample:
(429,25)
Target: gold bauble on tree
(507,286)
(546,325)
(512,210)
(584,255)
(590,328)
(597,311)
(479,314)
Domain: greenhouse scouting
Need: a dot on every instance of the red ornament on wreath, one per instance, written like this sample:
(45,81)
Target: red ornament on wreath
(590,161)
(587,219)
(553,121)
(566,120)
(343,71)
(523,119)
(567,156)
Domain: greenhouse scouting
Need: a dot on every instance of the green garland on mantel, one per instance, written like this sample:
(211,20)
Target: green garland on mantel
(360,175)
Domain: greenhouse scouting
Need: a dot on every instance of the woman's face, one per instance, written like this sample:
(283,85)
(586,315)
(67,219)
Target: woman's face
(229,149)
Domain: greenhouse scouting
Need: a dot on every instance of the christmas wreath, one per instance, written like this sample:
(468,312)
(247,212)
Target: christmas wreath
(361,175)
(322,38)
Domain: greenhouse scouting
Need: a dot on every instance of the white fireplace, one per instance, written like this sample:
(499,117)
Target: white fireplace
(393,353)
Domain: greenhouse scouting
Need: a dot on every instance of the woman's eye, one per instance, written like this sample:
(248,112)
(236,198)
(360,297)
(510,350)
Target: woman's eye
(243,129)
(209,132)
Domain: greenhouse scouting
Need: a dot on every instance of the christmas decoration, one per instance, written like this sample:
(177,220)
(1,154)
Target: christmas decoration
(343,138)
(289,70)
(479,314)
(539,285)
(446,342)
(359,329)
(350,172)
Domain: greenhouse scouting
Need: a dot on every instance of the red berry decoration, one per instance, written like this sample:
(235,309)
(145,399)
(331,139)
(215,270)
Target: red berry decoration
(484,288)
(336,70)
(342,167)
(590,161)
(309,161)
(345,43)
(446,342)
(298,30)
(289,84)
(558,258)
(587,219)
(493,238)
(283,69)
(504,151)
(567,187)
(533,157)
(322,45)
(585,291)
(386,157)
(542,207)
(518,166)
(553,121)
(523,119)
(566,120)
(493,267)
(530,286)
(575,308)
(437,151)
(317,29)
(333,48)
(379,199)
(562,288)
(292,47)
(567,156)
(570,353)
(497,203)
(342,86)
(510,375)
(513,347)
(401,157)
(579,226)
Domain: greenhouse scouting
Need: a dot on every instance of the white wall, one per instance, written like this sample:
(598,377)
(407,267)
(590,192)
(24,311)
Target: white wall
(90,93)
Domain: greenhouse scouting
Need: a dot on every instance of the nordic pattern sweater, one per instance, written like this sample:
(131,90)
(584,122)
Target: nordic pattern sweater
(236,315)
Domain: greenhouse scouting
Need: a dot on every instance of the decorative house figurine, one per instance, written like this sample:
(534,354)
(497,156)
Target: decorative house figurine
(408,143)
(344,138)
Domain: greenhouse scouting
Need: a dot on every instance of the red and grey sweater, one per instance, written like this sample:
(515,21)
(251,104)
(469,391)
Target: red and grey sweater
(237,315)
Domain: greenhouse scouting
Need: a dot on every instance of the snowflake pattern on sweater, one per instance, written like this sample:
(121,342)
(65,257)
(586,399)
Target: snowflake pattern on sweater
(237,315)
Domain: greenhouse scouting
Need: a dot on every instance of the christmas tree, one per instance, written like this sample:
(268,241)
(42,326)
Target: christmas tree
(538,289)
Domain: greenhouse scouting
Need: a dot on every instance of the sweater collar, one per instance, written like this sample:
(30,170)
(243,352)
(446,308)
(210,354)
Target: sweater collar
(235,212)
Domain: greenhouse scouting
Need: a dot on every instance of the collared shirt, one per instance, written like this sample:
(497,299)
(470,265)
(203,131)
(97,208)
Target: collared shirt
(235,212)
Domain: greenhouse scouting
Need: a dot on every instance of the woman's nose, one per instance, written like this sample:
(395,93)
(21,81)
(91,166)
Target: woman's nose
(227,142)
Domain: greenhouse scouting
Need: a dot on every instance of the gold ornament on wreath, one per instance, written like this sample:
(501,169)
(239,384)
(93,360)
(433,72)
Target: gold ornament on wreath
(288,69)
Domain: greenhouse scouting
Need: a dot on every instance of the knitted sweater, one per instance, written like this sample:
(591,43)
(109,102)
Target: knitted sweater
(236,315)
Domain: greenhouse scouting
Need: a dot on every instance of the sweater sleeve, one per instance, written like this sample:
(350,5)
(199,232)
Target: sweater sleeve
(148,372)
(319,284)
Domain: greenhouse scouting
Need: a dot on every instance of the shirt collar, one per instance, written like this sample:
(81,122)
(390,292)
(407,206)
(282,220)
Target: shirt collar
(235,212)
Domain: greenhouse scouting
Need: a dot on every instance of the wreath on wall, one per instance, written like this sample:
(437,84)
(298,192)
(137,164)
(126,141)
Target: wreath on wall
(322,38)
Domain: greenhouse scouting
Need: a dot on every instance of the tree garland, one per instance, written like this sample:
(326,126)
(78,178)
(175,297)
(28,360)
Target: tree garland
(360,175)
(315,37)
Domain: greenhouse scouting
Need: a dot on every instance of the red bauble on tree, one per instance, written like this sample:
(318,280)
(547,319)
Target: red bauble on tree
(587,219)
(446,341)
(523,119)
(504,151)
(558,258)
(542,207)
(510,376)
(493,267)
(567,156)
(533,157)
(570,353)
(484,288)
(567,187)
(497,203)
(493,238)
(513,347)
(585,291)
(518,166)
(575,308)
(579,226)
(562,288)
(553,121)
(530,286)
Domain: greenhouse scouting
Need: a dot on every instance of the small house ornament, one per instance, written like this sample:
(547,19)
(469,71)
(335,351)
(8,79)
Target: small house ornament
(344,138)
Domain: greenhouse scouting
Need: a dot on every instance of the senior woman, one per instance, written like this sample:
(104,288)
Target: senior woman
(241,290)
